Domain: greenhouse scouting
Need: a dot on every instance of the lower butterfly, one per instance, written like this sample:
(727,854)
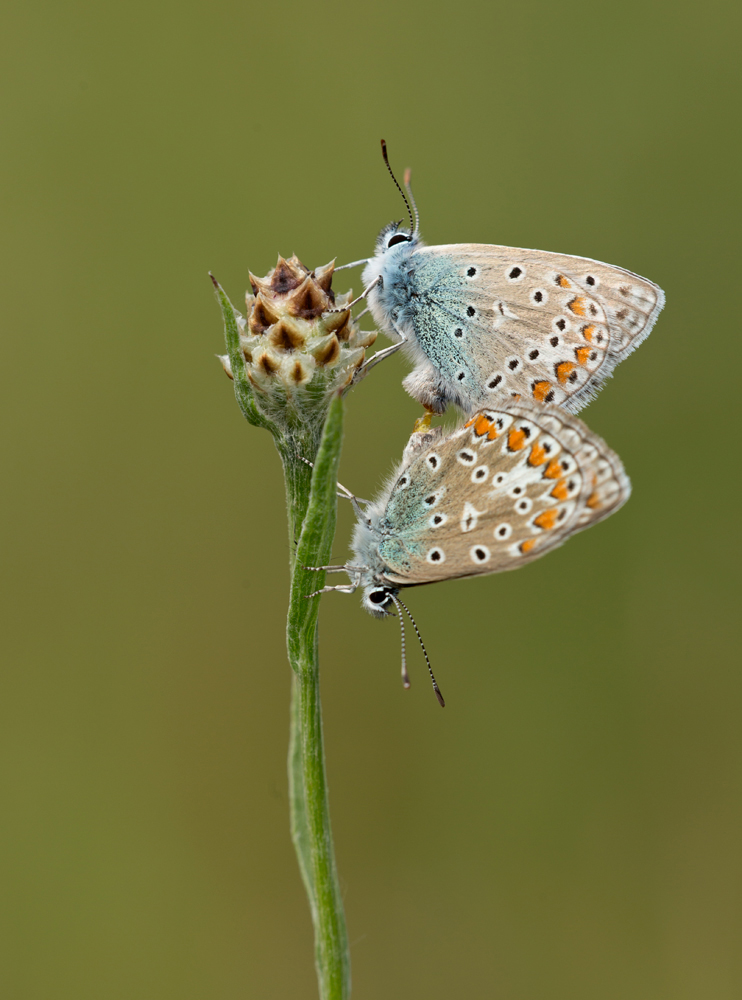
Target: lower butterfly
(510,485)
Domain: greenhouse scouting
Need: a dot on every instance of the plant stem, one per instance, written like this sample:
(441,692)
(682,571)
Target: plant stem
(311,494)
(314,510)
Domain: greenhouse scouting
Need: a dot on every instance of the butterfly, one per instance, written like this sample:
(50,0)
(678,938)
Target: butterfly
(478,319)
(508,486)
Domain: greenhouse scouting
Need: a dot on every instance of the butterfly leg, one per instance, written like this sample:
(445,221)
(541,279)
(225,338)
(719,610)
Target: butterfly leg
(359,298)
(344,492)
(380,355)
(355,263)
(376,358)
(345,588)
(325,569)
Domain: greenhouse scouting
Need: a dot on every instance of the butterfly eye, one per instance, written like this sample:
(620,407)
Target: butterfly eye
(378,596)
(398,238)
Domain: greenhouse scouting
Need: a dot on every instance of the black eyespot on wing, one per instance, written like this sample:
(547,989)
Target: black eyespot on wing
(538,296)
(512,365)
(516,272)
(549,397)
(554,341)
(533,355)
(458,332)
(470,310)
(471,272)
(461,376)
(431,499)
(561,323)
(493,383)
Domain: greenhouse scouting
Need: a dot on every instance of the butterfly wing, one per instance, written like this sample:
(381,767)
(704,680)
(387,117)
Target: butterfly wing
(504,489)
(544,326)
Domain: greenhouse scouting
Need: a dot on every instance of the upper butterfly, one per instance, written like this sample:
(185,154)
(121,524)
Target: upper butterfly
(480,319)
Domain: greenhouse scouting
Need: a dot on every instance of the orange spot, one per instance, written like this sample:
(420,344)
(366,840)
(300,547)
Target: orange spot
(482,426)
(577,305)
(588,331)
(563,281)
(583,354)
(527,545)
(553,470)
(564,369)
(470,422)
(560,491)
(516,439)
(593,501)
(540,390)
(537,456)
(492,433)
(547,520)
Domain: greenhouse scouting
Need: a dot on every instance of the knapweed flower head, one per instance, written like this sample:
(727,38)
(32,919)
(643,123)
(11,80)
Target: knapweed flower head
(299,342)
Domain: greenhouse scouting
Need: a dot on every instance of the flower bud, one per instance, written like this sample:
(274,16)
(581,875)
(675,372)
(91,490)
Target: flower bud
(299,342)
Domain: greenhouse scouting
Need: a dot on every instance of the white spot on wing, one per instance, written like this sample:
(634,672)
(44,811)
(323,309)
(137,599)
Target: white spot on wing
(469,517)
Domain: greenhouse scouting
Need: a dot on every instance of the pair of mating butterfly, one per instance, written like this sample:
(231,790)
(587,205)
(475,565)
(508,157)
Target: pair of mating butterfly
(519,340)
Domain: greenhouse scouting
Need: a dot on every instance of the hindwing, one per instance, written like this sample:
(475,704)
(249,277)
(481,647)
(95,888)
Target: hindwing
(544,326)
(507,487)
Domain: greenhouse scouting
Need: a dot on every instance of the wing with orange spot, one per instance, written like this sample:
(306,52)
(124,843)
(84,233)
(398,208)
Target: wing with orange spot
(544,326)
(507,487)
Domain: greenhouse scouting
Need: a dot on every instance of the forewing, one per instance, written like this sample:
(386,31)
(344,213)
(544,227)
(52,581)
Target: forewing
(504,489)
(546,326)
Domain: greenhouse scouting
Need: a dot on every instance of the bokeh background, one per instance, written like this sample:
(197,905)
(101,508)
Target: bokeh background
(570,826)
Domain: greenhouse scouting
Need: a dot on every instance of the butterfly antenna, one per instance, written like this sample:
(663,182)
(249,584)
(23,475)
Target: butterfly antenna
(408,189)
(437,690)
(391,172)
(405,675)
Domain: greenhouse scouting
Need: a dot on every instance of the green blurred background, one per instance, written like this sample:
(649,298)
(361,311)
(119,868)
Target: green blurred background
(570,826)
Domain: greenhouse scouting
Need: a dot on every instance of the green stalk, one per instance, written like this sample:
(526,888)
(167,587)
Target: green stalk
(311,495)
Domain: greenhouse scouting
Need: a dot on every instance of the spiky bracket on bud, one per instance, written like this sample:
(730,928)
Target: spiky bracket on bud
(296,347)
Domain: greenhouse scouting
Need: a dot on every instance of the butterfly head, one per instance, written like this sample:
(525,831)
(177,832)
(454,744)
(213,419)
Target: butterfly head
(392,236)
(377,600)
